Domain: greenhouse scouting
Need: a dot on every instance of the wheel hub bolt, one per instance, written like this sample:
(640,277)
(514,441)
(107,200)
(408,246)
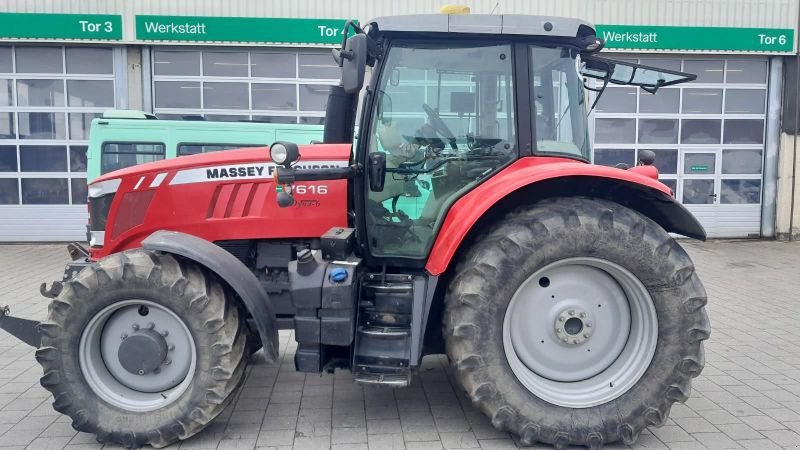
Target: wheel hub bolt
(151,325)
(135,327)
(573,326)
(167,362)
(141,371)
(171,347)
(124,336)
(165,333)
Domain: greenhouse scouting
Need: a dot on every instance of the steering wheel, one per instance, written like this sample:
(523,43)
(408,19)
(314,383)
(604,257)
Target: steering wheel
(439,125)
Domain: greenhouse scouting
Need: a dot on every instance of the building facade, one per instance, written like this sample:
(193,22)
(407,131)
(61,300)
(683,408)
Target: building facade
(718,140)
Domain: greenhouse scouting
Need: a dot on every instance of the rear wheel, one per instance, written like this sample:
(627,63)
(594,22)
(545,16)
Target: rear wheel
(576,321)
(142,348)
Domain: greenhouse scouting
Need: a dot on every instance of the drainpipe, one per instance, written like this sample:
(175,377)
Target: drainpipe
(794,145)
(771,145)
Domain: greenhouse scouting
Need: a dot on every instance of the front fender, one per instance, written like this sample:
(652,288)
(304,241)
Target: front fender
(232,271)
(529,180)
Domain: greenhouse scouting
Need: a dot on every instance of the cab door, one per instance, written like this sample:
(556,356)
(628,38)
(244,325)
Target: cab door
(443,117)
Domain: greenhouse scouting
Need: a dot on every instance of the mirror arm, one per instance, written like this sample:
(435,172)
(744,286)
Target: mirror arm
(653,89)
(346,30)
(600,92)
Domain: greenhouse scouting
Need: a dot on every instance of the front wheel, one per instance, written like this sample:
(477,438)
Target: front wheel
(576,322)
(142,348)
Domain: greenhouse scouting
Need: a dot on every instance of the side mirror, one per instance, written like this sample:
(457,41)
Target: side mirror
(376,171)
(353,61)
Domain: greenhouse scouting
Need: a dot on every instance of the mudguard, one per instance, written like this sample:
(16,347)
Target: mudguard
(230,270)
(532,179)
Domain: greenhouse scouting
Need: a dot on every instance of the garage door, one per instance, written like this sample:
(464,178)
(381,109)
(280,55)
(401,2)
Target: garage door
(708,136)
(48,97)
(275,85)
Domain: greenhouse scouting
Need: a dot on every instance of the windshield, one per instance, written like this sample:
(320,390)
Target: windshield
(560,110)
(443,117)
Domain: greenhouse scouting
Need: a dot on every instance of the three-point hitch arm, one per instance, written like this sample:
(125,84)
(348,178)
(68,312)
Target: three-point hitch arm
(25,330)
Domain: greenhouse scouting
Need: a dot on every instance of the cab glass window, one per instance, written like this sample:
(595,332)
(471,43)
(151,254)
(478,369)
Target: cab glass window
(443,117)
(559,103)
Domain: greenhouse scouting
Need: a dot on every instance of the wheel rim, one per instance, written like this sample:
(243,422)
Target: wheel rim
(580,332)
(137,355)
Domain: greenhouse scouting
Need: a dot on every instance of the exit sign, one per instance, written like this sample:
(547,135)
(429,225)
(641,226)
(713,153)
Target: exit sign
(106,27)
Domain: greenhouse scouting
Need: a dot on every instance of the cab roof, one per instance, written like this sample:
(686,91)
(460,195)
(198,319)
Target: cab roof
(505,24)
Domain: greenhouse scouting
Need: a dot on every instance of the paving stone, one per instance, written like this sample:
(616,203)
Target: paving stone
(715,440)
(459,440)
(696,425)
(17,437)
(349,436)
(428,445)
(275,437)
(386,441)
(785,438)
(672,433)
(236,444)
(739,431)
(349,447)
(759,444)
(762,423)
(384,426)
(48,443)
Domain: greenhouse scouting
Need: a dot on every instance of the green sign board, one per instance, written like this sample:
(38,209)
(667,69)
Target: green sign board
(105,27)
(239,29)
(699,168)
(642,37)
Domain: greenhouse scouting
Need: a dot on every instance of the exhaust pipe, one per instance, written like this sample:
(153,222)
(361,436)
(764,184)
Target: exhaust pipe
(25,330)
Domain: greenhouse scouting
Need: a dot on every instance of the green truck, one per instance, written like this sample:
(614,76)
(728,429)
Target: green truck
(123,138)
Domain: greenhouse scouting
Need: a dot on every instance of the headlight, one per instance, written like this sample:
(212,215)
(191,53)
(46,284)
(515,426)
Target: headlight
(284,153)
(278,153)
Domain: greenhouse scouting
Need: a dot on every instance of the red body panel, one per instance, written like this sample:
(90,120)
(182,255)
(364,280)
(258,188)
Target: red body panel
(469,208)
(194,195)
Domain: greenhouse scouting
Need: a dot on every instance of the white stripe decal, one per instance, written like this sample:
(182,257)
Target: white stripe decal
(158,179)
(259,171)
(139,183)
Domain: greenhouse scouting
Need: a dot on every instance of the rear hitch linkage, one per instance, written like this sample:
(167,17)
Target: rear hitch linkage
(25,330)
(53,291)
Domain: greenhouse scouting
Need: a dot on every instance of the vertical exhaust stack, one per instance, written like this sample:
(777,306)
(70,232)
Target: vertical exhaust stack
(340,116)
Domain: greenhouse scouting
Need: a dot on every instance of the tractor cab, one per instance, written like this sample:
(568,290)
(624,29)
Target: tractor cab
(452,100)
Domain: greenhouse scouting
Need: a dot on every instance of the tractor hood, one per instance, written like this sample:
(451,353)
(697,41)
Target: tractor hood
(219,196)
(317,152)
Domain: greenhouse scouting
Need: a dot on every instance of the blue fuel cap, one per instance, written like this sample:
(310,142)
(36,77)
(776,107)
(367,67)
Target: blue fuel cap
(337,275)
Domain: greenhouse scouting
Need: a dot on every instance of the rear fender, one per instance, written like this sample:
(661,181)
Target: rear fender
(230,270)
(526,182)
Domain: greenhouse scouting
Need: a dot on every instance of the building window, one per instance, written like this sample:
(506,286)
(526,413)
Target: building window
(48,97)
(275,86)
(708,135)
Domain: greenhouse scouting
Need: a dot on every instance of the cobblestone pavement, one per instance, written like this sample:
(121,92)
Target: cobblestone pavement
(748,396)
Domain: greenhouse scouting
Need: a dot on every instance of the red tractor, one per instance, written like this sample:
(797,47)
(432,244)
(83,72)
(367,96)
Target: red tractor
(465,220)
